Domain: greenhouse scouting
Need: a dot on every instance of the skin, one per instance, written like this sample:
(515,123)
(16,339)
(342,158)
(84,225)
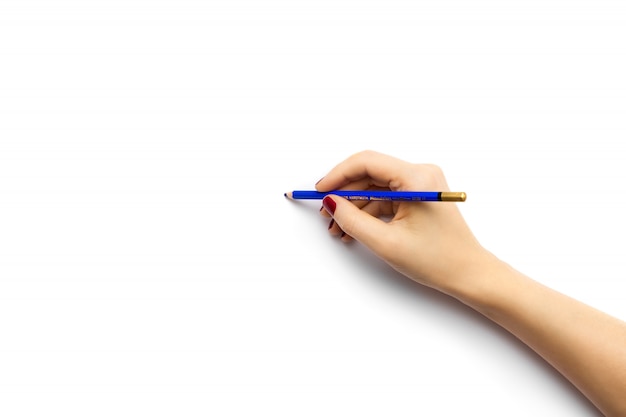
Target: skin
(433,245)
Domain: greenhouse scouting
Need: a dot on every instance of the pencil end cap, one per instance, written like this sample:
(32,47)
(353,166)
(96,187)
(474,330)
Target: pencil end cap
(453,196)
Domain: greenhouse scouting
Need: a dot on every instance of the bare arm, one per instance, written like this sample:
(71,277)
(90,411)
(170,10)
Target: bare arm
(432,244)
(586,345)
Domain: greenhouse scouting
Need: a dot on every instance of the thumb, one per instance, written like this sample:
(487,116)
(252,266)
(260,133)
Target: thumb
(363,227)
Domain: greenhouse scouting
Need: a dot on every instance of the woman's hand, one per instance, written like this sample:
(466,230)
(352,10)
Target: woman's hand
(431,243)
(428,242)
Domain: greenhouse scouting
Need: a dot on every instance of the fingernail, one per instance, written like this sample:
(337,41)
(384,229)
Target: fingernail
(329,205)
(332,221)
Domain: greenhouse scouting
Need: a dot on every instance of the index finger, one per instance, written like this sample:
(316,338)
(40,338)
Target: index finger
(381,170)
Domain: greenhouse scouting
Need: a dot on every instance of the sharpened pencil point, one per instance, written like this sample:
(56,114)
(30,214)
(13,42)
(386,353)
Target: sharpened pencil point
(289,195)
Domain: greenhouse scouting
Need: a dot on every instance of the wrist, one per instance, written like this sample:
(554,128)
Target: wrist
(479,279)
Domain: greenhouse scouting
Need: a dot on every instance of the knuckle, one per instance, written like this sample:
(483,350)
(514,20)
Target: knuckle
(435,170)
(349,225)
(432,175)
(366,154)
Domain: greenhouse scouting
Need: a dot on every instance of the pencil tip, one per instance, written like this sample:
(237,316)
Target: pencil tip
(288,195)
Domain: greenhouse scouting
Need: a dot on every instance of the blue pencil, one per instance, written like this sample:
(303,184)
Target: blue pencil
(372,195)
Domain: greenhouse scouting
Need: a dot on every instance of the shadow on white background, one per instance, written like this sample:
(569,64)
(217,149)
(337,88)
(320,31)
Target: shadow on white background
(149,263)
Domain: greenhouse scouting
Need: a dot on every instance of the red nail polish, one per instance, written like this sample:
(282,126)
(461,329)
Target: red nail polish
(329,205)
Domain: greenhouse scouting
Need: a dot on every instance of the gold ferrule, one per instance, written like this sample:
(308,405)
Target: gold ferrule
(453,196)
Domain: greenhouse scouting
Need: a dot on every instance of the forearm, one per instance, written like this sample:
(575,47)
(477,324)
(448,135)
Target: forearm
(432,244)
(587,346)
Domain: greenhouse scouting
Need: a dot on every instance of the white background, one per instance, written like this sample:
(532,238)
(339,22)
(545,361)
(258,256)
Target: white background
(149,264)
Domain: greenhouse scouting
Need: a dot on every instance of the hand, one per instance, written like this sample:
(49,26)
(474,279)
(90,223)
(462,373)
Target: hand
(431,243)
(428,242)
